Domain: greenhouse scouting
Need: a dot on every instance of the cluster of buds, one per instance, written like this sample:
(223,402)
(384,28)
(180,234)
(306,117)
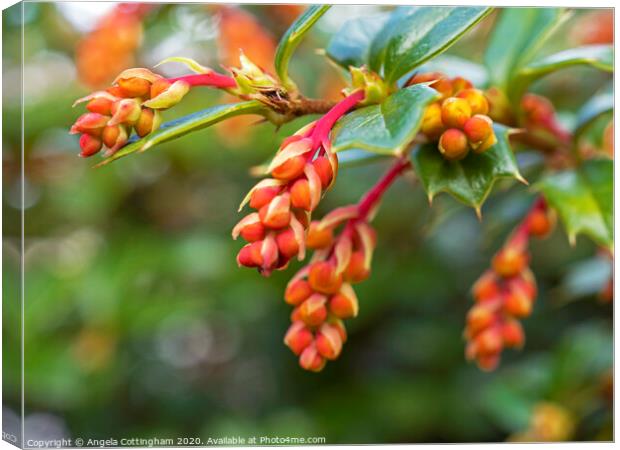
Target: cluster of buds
(133,102)
(302,170)
(459,119)
(539,117)
(505,293)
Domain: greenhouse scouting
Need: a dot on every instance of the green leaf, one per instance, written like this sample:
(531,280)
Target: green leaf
(386,128)
(471,179)
(292,38)
(518,34)
(350,46)
(184,125)
(597,56)
(413,37)
(594,108)
(583,198)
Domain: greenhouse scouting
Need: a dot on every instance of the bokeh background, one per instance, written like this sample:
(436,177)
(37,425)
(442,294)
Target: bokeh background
(138,322)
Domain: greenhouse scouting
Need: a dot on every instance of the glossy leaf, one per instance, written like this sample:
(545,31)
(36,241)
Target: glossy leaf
(386,128)
(597,56)
(184,125)
(292,38)
(594,108)
(583,198)
(414,36)
(350,46)
(471,179)
(517,35)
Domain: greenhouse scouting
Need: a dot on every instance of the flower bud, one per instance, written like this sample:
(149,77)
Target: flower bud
(149,121)
(489,362)
(459,84)
(114,137)
(356,271)
(486,288)
(134,87)
(89,145)
(277,214)
(517,303)
(90,123)
(432,125)
(453,144)
(476,100)
(328,341)
(249,228)
(115,91)
(339,325)
(250,255)
(270,255)
(324,169)
(298,337)
(100,105)
(478,128)
(290,169)
(510,261)
(344,304)
(455,112)
(310,359)
(479,318)
(489,142)
(300,194)
(319,238)
(488,342)
(313,311)
(288,245)
(169,97)
(438,81)
(540,222)
(125,111)
(263,196)
(512,334)
(297,291)
(159,86)
(524,281)
(324,278)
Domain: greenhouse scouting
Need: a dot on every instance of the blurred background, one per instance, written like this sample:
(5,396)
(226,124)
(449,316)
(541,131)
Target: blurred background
(138,322)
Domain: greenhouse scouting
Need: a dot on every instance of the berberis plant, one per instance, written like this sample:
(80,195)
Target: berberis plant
(456,137)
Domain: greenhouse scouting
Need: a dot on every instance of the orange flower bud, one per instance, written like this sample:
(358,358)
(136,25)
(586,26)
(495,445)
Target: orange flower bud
(317,239)
(313,311)
(114,137)
(432,125)
(295,315)
(486,287)
(526,282)
(134,87)
(540,222)
(277,214)
(489,142)
(453,144)
(300,194)
(460,83)
(250,255)
(89,145)
(288,246)
(249,228)
(438,80)
(310,359)
(90,123)
(517,303)
(262,196)
(116,91)
(159,86)
(455,112)
(148,121)
(477,101)
(512,333)
(356,271)
(488,342)
(488,362)
(478,128)
(479,318)
(328,341)
(344,304)
(126,111)
(290,169)
(324,169)
(339,325)
(324,278)
(297,291)
(100,105)
(170,96)
(298,337)
(510,261)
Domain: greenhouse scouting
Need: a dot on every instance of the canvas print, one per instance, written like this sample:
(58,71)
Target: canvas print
(290,224)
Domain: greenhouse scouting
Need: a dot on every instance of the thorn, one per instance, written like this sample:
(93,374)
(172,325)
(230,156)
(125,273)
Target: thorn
(478,209)
(430,199)
(520,178)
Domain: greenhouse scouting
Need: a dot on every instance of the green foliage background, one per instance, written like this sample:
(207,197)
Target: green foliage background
(138,322)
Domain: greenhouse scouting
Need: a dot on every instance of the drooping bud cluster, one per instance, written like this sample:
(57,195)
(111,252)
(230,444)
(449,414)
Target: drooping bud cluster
(540,118)
(302,170)
(321,292)
(133,102)
(505,293)
(459,119)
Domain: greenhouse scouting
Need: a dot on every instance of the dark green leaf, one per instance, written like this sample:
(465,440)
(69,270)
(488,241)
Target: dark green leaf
(350,46)
(471,179)
(413,37)
(386,128)
(583,198)
(184,125)
(518,34)
(292,38)
(594,108)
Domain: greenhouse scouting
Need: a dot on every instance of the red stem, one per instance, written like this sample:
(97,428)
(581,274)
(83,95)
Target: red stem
(212,79)
(326,123)
(373,196)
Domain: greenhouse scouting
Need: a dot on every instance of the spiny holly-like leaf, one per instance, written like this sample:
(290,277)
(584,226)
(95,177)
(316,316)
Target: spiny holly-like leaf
(386,128)
(292,38)
(184,125)
(412,37)
(583,198)
(598,105)
(518,34)
(350,46)
(471,179)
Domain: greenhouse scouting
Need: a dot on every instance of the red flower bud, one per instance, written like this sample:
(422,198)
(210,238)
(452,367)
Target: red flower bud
(290,169)
(277,214)
(317,239)
(297,291)
(114,137)
(288,246)
(488,342)
(159,86)
(478,128)
(90,123)
(262,196)
(134,87)
(328,342)
(344,304)
(125,111)
(455,112)
(89,145)
(453,144)
(512,333)
(476,100)
(486,288)
(310,359)
(249,228)
(488,362)
(339,325)
(148,122)
(100,105)
(312,311)
(324,169)
(298,337)
(479,318)
(510,261)
(324,278)
(250,255)
(517,303)
(356,271)
(300,194)
(540,223)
